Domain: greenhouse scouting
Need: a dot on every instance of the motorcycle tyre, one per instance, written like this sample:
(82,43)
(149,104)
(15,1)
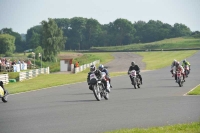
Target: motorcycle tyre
(134,83)
(96,92)
(138,83)
(187,73)
(180,83)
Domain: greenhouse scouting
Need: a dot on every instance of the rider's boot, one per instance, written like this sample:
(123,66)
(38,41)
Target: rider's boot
(108,90)
(90,87)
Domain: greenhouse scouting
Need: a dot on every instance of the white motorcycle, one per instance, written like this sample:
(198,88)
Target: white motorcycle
(4,97)
(135,79)
(98,87)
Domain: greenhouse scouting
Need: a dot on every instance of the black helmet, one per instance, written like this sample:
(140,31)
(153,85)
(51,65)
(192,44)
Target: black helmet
(92,68)
(132,63)
(184,61)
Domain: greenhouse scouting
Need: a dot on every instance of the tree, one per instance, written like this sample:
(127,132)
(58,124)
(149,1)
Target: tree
(34,37)
(139,26)
(93,29)
(181,30)
(53,40)
(76,30)
(35,40)
(124,31)
(19,43)
(7,44)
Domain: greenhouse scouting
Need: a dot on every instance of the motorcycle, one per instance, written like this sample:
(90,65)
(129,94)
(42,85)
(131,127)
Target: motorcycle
(179,78)
(98,87)
(187,71)
(4,97)
(135,79)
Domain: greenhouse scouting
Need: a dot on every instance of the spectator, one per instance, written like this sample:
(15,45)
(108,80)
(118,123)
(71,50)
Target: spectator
(19,62)
(29,63)
(77,64)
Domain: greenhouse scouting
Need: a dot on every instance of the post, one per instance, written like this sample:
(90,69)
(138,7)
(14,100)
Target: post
(40,55)
(33,54)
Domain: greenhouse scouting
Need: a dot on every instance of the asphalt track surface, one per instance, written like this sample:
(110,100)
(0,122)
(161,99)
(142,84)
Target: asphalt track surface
(74,109)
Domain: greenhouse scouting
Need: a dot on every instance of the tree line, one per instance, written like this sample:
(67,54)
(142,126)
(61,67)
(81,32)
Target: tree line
(80,33)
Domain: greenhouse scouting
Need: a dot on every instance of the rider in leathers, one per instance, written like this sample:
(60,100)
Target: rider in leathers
(186,63)
(102,69)
(173,66)
(96,72)
(1,84)
(136,68)
(180,68)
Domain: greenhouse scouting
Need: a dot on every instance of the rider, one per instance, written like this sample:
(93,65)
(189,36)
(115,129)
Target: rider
(173,65)
(136,68)
(186,63)
(96,72)
(103,69)
(179,68)
(1,84)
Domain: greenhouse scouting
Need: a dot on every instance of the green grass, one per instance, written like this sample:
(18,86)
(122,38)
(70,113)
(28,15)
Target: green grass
(157,60)
(195,91)
(172,43)
(178,128)
(104,57)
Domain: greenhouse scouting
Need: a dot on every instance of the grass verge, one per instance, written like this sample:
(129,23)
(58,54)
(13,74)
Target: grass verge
(178,128)
(195,91)
(157,60)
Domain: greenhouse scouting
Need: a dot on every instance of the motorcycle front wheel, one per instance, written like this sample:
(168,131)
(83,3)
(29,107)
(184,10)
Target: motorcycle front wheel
(96,92)
(180,82)
(134,82)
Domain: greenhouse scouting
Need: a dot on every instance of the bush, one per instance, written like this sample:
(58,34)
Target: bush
(8,54)
(13,75)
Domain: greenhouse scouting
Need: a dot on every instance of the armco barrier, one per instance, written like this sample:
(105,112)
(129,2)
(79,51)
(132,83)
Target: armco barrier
(4,78)
(83,67)
(32,73)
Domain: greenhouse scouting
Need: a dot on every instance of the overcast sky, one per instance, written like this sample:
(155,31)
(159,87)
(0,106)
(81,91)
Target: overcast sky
(21,15)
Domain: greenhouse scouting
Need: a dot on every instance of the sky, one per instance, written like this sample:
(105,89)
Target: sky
(21,15)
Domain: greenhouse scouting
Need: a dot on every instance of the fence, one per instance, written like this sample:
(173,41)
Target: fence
(32,73)
(4,78)
(83,67)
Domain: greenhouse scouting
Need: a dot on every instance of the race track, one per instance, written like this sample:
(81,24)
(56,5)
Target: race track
(74,109)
